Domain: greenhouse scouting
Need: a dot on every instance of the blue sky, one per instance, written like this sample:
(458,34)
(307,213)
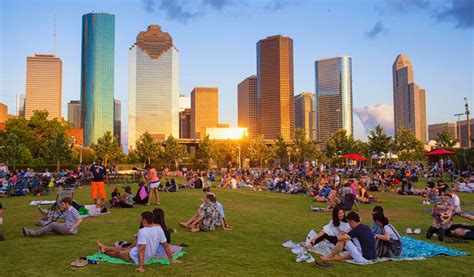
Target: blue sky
(217,44)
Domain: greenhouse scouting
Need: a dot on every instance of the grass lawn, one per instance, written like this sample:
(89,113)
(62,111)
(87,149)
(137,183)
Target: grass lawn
(261,221)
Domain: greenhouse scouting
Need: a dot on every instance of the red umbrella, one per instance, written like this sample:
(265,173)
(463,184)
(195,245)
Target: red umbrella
(356,157)
(440,152)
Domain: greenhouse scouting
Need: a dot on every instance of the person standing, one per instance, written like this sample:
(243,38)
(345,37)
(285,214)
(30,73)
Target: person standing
(99,175)
(153,184)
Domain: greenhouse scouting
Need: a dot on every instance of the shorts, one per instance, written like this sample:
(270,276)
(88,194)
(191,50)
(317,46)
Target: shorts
(155,185)
(355,250)
(98,188)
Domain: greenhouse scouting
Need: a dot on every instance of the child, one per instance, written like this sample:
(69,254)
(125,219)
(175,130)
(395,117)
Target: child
(115,199)
(127,199)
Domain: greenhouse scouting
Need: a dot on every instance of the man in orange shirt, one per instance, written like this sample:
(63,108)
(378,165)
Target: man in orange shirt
(99,174)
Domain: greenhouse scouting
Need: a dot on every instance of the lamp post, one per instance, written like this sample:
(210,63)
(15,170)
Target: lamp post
(458,129)
(468,125)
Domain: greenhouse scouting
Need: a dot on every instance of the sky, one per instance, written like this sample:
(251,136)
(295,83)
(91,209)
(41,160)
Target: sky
(217,40)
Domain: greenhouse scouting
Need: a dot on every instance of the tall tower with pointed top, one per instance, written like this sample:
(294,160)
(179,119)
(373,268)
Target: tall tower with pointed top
(409,101)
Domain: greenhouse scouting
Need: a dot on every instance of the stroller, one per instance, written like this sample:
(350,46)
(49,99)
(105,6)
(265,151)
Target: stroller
(54,213)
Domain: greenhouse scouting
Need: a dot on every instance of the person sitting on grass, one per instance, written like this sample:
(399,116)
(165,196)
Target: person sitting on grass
(359,242)
(376,230)
(115,198)
(159,220)
(126,201)
(148,239)
(171,186)
(205,219)
(330,232)
(142,194)
(70,227)
(349,200)
(388,243)
(443,216)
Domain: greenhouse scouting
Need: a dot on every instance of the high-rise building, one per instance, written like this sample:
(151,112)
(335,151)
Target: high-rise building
(185,124)
(43,85)
(153,86)
(409,102)
(305,116)
(435,129)
(118,120)
(247,105)
(204,110)
(275,87)
(333,96)
(20,105)
(97,75)
(464,138)
(74,113)
(3,113)
(184,102)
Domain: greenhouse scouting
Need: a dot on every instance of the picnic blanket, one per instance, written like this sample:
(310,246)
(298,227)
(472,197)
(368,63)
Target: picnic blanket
(42,202)
(176,251)
(413,249)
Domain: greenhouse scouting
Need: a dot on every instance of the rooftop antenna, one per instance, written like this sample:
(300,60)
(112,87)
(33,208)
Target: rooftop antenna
(54,36)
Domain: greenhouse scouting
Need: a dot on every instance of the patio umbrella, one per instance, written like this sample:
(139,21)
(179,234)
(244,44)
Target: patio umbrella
(440,152)
(356,157)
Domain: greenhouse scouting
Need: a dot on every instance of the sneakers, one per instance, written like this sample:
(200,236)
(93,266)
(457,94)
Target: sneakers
(409,231)
(298,250)
(317,209)
(289,244)
(25,232)
(417,231)
(305,257)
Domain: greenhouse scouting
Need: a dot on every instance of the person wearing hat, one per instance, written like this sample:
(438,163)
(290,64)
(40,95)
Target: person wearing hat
(99,175)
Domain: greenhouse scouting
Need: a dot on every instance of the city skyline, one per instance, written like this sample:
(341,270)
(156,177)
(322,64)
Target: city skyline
(372,51)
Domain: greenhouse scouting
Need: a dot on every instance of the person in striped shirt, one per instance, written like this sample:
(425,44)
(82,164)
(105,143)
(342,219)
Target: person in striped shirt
(72,220)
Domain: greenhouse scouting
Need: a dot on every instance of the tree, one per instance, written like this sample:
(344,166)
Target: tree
(147,149)
(379,142)
(281,148)
(258,150)
(107,147)
(445,139)
(302,148)
(204,150)
(339,143)
(58,149)
(407,145)
(173,151)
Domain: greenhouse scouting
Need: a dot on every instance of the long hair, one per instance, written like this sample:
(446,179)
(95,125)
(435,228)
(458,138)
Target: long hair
(378,216)
(335,217)
(159,218)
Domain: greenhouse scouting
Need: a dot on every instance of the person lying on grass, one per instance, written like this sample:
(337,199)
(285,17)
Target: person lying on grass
(461,231)
(71,218)
(206,217)
(220,209)
(148,239)
(332,229)
(359,242)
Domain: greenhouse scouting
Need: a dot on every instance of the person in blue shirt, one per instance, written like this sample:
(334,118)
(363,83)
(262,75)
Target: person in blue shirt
(99,174)
(376,230)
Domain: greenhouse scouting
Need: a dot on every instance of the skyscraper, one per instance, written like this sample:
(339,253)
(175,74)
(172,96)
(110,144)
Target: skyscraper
(20,105)
(97,75)
(275,87)
(305,115)
(333,96)
(153,86)
(74,113)
(247,105)
(408,99)
(184,102)
(118,120)
(204,110)
(3,113)
(43,85)
(185,124)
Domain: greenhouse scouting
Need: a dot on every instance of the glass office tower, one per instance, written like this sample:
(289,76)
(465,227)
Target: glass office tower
(97,75)
(333,96)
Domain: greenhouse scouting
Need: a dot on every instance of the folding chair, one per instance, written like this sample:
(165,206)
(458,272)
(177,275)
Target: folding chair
(54,212)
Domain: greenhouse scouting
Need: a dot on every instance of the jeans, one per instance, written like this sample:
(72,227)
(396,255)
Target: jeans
(55,227)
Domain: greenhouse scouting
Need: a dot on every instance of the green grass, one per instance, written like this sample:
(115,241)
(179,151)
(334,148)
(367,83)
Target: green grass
(261,221)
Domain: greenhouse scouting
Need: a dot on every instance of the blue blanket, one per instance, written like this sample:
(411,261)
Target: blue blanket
(414,248)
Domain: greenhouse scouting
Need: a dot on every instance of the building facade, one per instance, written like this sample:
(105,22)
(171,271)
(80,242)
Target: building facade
(185,124)
(304,114)
(118,120)
(3,113)
(333,96)
(409,101)
(247,105)
(204,110)
(43,85)
(275,87)
(153,86)
(97,75)
(74,113)
(435,129)
(20,105)
(184,102)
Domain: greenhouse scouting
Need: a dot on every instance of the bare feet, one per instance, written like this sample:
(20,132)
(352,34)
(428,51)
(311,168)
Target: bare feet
(182,224)
(326,258)
(101,247)
(226,228)
(194,230)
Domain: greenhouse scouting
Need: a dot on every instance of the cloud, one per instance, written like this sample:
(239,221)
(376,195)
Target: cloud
(376,31)
(217,4)
(178,10)
(276,5)
(372,115)
(461,13)
(409,5)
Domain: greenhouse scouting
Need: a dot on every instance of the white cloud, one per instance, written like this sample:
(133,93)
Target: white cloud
(372,115)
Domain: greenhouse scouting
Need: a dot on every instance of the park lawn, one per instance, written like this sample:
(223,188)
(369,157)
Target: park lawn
(261,221)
